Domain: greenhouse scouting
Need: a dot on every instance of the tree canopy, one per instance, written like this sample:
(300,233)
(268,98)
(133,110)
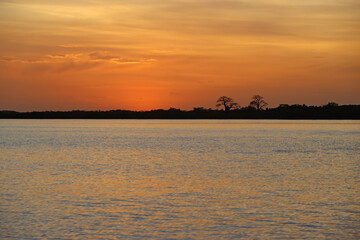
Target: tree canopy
(227,102)
(258,102)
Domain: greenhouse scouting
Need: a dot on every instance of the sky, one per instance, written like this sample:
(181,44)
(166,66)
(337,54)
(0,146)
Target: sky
(152,54)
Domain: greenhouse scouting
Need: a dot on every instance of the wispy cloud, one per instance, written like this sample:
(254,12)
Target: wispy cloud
(96,56)
(74,61)
(50,58)
(68,45)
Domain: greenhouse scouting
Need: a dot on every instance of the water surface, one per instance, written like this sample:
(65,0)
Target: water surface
(179,179)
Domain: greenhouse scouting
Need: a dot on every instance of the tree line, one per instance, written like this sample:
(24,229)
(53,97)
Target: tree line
(257,102)
(227,108)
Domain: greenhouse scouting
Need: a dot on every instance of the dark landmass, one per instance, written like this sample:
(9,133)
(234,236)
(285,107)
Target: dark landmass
(283,111)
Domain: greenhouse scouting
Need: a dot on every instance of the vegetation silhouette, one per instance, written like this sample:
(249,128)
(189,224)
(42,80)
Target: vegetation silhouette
(231,110)
(226,102)
(258,102)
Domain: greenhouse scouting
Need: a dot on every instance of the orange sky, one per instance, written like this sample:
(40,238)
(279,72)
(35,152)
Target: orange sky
(149,54)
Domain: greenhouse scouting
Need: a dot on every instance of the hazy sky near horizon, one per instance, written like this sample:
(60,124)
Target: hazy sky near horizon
(147,54)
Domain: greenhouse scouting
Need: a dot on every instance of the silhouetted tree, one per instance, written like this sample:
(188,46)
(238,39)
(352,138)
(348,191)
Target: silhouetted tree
(258,102)
(201,109)
(248,109)
(171,109)
(331,104)
(226,102)
(283,106)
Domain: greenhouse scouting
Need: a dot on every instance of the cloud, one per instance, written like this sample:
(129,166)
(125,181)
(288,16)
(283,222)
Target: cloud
(72,62)
(96,56)
(50,58)
(68,46)
(75,57)
(21,60)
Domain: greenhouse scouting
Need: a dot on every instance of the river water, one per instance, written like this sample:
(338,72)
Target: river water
(179,179)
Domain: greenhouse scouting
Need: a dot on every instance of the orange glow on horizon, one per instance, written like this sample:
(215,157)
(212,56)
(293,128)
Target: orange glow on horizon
(142,55)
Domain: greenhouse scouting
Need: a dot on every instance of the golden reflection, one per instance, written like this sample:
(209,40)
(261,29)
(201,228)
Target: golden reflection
(97,179)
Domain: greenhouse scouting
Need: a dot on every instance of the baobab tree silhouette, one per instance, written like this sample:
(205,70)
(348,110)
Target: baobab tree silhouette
(258,102)
(226,102)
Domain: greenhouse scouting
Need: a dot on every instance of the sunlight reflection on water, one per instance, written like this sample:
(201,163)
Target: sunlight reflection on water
(111,179)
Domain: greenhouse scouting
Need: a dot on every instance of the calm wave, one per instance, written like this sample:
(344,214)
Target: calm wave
(193,179)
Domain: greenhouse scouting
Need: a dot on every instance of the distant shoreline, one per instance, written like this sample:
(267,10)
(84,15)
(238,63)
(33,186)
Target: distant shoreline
(286,112)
